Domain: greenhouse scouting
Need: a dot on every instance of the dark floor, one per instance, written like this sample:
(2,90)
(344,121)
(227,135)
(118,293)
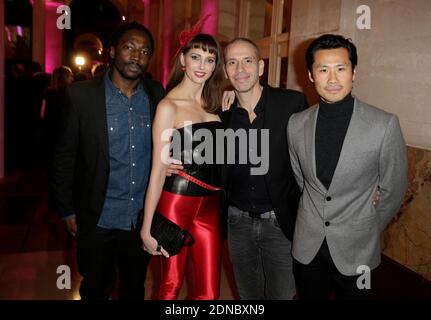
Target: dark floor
(34,243)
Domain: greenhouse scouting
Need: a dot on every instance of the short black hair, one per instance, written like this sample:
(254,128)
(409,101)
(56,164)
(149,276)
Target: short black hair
(122,29)
(331,41)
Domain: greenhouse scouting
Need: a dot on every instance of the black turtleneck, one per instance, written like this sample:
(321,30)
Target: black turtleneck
(332,123)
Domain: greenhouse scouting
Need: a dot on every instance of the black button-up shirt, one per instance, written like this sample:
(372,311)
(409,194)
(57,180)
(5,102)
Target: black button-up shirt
(249,192)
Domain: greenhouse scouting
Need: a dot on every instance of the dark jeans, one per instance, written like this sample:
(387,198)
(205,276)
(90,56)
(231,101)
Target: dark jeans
(105,251)
(261,257)
(320,280)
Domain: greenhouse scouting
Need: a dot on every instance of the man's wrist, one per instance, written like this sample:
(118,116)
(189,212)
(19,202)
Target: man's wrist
(68,216)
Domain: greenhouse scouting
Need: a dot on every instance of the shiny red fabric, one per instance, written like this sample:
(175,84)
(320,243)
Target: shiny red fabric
(200,263)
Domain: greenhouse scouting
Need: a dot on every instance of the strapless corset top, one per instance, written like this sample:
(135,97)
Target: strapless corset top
(196,146)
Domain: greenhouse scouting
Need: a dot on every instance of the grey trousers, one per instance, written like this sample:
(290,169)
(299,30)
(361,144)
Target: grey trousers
(261,257)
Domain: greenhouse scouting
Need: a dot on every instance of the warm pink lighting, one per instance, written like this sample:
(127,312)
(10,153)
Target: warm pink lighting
(9,37)
(167,28)
(38,32)
(2,56)
(53,38)
(210,7)
(49,3)
(19,31)
(146,13)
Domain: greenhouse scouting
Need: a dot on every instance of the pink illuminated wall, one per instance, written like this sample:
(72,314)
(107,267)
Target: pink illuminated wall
(53,38)
(166,40)
(210,7)
(38,31)
(146,13)
(2,57)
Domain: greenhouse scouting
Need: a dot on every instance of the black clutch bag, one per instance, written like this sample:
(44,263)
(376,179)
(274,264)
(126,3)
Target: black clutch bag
(169,235)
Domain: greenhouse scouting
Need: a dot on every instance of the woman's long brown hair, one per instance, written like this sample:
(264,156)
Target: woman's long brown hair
(212,91)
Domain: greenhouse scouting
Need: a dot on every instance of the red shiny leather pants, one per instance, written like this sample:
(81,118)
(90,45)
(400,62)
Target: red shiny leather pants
(200,215)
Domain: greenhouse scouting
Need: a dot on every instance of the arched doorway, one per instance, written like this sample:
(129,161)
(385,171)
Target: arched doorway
(93,22)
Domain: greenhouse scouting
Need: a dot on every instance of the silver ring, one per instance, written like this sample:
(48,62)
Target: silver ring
(159,247)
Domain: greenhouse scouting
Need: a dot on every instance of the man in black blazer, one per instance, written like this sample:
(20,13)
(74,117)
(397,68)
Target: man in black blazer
(101,166)
(261,208)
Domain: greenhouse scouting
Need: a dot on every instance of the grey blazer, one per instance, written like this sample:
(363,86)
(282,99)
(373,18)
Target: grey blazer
(373,155)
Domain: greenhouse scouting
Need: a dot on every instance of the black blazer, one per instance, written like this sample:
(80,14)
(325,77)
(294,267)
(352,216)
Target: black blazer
(80,170)
(283,190)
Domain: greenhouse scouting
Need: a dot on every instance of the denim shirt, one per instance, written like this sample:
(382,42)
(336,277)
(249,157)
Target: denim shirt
(129,132)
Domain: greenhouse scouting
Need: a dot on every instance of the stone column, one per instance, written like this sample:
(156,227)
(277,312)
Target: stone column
(38,33)
(2,72)
(211,24)
(167,39)
(54,38)
(146,13)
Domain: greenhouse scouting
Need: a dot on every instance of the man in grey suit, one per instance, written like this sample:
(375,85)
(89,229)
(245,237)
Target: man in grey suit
(342,151)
